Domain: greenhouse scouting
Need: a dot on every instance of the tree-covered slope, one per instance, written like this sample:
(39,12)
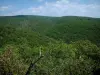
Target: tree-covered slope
(36,23)
(11,35)
(76,28)
(67,28)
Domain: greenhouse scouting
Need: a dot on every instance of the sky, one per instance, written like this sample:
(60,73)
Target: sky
(89,8)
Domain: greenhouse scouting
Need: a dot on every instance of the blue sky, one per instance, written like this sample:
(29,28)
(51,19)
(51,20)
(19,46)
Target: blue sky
(90,8)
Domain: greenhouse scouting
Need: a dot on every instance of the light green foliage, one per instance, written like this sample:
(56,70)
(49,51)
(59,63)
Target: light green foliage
(11,63)
(88,49)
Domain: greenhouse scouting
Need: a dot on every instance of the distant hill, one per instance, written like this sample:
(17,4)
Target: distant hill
(66,28)
(72,28)
(36,23)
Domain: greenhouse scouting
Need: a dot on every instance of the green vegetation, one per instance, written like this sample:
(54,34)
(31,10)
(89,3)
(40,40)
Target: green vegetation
(76,28)
(70,45)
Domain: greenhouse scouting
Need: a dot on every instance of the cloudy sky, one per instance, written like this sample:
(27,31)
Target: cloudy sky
(90,8)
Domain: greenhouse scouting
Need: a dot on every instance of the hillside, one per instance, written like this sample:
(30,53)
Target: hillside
(11,35)
(67,28)
(35,23)
(76,28)
(70,45)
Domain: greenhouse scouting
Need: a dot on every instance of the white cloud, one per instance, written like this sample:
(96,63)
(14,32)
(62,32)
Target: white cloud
(62,8)
(4,8)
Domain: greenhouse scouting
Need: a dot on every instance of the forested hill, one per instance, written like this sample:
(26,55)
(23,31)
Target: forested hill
(66,28)
(76,28)
(36,23)
(70,45)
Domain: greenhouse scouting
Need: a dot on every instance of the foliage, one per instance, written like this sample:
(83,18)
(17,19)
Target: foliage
(10,62)
(73,29)
(70,45)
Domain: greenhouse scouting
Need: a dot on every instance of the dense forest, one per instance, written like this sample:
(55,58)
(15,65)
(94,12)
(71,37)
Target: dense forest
(70,45)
